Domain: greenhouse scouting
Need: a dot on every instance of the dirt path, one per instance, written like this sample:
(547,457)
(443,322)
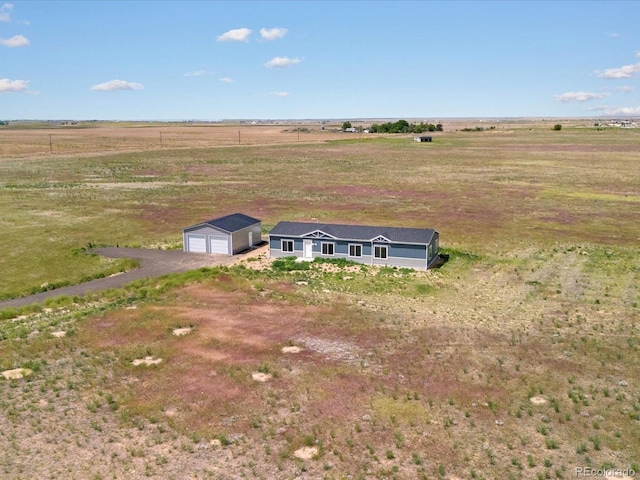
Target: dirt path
(153,263)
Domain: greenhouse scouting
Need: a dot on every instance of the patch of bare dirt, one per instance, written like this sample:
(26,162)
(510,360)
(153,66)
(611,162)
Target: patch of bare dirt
(306,453)
(146,361)
(16,373)
(181,332)
(261,377)
(291,349)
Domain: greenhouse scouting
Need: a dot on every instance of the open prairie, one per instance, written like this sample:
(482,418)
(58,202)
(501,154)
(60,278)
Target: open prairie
(67,138)
(517,359)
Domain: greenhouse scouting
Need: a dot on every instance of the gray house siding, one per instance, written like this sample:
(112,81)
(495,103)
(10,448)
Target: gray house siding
(275,247)
(394,253)
(435,248)
(408,251)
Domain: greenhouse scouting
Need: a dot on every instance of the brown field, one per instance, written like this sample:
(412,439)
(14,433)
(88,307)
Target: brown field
(47,138)
(87,137)
(517,359)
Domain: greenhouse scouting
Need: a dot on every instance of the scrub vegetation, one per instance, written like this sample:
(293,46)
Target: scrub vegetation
(516,359)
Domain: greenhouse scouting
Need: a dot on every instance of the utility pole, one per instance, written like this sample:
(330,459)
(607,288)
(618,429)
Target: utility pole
(50,144)
(161,140)
(238,137)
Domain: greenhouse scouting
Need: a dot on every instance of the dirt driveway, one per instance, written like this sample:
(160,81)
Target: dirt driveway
(153,263)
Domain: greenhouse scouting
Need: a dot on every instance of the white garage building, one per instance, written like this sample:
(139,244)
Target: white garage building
(227,235)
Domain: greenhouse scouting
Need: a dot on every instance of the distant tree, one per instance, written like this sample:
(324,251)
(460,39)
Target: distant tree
(2,122)
(439,128)
(346,125)
(557,126)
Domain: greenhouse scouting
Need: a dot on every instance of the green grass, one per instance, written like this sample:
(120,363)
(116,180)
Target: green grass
(422,374)
(486,191)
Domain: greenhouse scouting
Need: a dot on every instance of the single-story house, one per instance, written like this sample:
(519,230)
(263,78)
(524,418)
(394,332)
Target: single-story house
(228,235)
(423,138)
(391,246)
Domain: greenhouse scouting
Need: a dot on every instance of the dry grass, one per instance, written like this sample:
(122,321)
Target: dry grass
(448,379)
(516,360)
(46,139)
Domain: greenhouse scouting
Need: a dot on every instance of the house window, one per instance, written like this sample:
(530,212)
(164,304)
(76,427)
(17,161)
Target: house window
(355,250)
(327,249)
(287,245)
(380,252)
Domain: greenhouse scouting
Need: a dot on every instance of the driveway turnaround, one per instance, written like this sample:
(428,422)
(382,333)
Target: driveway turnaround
(153,263)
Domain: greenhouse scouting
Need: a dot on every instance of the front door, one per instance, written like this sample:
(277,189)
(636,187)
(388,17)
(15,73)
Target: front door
(307,249)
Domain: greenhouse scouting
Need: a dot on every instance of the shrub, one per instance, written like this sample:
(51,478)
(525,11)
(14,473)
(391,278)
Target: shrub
(288,264)
(340,262)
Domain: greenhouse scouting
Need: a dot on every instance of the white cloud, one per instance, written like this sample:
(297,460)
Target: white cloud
(13,86)
(113,85)
(5,12)
(280,94)
(226,80)
(282,62)
(638,54)
(625,89)
(195,73)
(622,111)
(580,96)
(235,35)
(272,33)
(15,41)
(626,71)
(612,34)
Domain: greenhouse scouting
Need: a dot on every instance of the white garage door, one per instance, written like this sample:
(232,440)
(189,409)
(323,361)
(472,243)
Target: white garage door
(219,245)
(196,243)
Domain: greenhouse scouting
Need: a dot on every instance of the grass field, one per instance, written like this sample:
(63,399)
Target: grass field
(517,359)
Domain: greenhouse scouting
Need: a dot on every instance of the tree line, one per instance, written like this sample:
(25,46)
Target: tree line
(402,126)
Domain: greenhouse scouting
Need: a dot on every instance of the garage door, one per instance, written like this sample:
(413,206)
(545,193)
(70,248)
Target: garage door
(219,244)
(196,243)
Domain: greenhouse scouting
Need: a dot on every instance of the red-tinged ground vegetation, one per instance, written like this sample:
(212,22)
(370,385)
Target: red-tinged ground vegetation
(516,359)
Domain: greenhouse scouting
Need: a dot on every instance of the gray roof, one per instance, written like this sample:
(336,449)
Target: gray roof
(355,232)
(229,223)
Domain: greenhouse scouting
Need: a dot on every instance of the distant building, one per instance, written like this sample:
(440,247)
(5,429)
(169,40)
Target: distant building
(423,138)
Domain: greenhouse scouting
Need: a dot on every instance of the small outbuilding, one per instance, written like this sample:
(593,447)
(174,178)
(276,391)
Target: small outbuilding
(226,235)
(423,138)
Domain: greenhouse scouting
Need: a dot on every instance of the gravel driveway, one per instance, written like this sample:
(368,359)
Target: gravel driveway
(153,263)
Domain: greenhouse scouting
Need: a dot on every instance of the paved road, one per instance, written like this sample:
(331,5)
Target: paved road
(153,263)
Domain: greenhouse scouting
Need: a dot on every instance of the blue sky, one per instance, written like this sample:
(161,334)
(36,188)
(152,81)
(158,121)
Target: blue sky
(211,60)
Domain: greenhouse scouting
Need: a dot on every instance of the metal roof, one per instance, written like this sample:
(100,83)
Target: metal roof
(355,232)
(229,223)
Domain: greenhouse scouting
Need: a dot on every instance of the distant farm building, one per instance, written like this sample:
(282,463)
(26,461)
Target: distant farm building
(423,138)
(226,235)
(390,246)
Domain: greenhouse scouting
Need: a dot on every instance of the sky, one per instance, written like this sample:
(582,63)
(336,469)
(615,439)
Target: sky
(214,60)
